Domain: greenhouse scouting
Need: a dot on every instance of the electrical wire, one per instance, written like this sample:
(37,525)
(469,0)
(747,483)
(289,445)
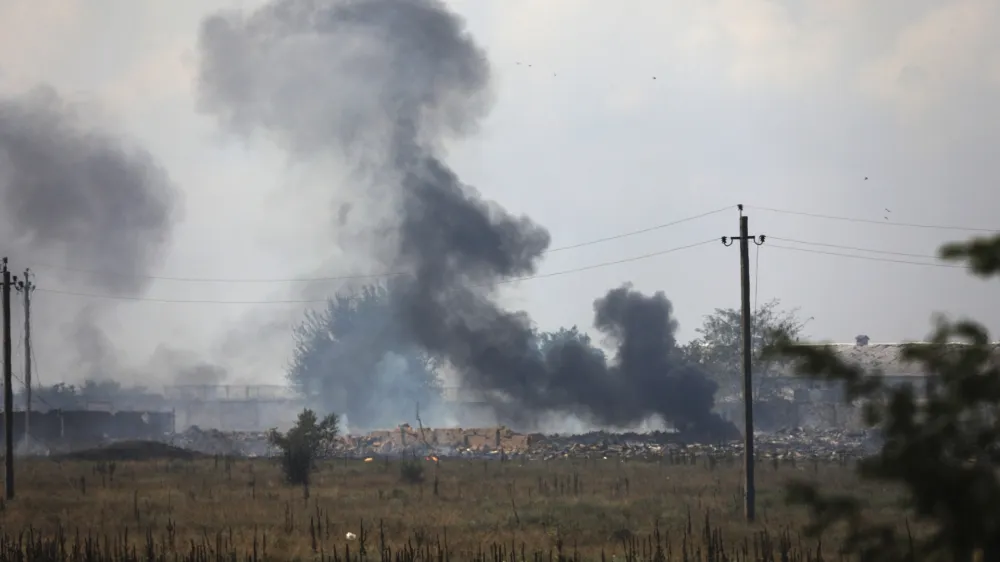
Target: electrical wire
(640,231)
(34,395)
(871,221)
(869,258)
(308,301)
(374,275)
(855,248)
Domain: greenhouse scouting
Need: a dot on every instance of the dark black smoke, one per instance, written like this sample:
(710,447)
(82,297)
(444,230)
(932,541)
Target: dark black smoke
(83,200)
(386,82)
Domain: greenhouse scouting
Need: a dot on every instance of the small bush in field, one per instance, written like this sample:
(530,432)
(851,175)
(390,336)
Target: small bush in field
(411,471)
(306,441)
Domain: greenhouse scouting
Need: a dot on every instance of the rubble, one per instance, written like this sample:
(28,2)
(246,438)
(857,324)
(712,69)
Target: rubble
(216,442)
(503,443)
(500,442)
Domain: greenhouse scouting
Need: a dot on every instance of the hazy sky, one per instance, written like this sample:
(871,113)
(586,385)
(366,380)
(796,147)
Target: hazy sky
(609,117)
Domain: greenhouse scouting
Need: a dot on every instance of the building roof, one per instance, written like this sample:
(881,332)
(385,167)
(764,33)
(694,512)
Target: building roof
(885,357)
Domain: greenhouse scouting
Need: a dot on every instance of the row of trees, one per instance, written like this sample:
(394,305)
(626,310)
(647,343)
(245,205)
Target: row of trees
(62,396)
(350,357)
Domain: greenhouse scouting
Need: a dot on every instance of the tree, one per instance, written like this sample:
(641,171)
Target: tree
(546,340)
(718,349)
(308,440)
(353,357)
(59,396)
(939,439)
(62,396)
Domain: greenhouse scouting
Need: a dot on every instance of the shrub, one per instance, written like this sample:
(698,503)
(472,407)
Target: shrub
(306,441)
(411,471)
(939,439)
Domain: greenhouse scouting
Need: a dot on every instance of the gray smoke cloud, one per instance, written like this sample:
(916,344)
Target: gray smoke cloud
(186,368)
(84,200)
(68,189)
(385,83)
(96,355)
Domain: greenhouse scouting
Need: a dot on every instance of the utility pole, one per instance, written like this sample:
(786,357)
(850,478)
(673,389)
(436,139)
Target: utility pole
(8,389)
(749,498)
(26,287)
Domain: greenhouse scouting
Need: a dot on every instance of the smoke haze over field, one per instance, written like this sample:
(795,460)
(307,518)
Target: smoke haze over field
(75,195)
(385,83)
(79,195)
(604,118)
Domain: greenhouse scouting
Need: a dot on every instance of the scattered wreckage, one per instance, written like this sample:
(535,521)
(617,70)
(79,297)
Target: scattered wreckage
(503,443)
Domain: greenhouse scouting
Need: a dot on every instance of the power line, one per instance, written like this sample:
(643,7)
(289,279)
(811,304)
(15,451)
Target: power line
(641,231)
(857,249)
(36,397)
(373,275)
(882,223)
(308,301)
(551,251)
(869,258)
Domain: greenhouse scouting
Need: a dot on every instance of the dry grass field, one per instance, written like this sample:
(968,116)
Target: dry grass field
(513,510)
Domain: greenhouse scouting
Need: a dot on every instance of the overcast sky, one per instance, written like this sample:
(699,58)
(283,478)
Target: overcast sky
(609,117)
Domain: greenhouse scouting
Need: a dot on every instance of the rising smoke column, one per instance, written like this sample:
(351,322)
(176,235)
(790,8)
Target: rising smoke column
(385,83)
(77,196)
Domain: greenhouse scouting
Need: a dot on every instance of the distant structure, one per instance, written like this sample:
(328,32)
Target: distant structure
(83,428)
(822,403)
(233,407)
(887,358)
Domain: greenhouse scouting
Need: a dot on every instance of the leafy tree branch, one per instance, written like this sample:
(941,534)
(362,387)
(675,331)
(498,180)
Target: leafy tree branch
(939,437)
(718,348)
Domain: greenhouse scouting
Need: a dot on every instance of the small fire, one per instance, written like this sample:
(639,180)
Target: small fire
(369,459)
(432,458)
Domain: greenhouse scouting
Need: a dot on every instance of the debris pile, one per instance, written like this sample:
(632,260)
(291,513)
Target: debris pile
(819,443)
(798,444)
(126,450)
(215,442)
(787,444)
(502,443)
(442,442)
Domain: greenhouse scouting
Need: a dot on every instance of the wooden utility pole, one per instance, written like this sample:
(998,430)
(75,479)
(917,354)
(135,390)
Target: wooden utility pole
(749,498)
(27,287)
(8,389)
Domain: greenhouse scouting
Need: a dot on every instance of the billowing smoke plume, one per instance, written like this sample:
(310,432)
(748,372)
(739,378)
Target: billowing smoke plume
(79,198)
(386,82)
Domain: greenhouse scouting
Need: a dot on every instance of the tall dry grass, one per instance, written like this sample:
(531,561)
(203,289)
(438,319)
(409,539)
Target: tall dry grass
(681,507)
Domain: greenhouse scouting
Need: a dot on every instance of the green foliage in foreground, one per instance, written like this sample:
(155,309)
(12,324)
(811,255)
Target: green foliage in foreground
(940,439)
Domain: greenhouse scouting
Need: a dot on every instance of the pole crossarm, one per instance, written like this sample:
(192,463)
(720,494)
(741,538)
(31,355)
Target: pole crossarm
(758,239)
